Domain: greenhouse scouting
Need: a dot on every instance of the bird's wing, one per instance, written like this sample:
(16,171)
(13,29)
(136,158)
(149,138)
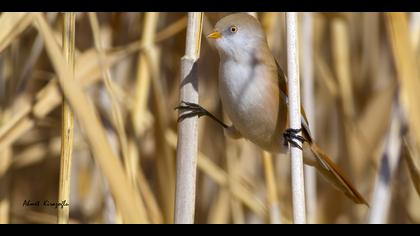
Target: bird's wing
(282,80)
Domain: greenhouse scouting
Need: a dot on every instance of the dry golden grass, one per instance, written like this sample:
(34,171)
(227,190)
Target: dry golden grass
(127,71)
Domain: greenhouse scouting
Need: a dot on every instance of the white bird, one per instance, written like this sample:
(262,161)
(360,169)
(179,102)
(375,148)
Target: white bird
(253,92)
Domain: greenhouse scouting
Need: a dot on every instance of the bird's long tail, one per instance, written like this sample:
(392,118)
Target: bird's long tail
(333,173)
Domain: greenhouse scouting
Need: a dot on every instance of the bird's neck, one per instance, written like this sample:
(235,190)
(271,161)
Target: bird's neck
(247,54)
(242,57)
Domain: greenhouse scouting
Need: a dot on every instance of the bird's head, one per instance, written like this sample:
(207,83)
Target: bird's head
(237,34)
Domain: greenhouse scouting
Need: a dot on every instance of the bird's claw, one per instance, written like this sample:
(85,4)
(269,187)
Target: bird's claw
(291,136)
(192,109)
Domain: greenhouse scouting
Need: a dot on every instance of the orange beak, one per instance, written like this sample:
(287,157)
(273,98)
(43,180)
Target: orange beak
(214,35)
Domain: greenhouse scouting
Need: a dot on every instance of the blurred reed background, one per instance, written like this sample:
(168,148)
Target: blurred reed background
(125,87)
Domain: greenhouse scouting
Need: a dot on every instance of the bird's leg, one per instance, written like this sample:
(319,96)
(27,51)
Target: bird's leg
(196,110)
(291,135)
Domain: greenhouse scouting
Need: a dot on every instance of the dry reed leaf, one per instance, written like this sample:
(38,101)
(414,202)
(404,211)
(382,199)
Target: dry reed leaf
(17,128)
(322,69)
(87,72)
(371,42)
(126,198)
(341,55)
(327,77)
(116,112)
(172,29)
(142,85)
(11,25)
(36,152)
(34,55)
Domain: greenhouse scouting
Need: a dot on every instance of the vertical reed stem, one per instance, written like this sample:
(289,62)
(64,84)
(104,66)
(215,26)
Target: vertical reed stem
(187,146)
(67,123)
(298,189)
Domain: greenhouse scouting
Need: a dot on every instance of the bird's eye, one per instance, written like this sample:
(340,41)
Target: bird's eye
(233,29)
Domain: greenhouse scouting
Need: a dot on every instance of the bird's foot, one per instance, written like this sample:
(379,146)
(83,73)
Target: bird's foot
(291,136)
(192,109)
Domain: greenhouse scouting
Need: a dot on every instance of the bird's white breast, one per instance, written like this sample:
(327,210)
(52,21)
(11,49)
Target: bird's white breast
(250,99)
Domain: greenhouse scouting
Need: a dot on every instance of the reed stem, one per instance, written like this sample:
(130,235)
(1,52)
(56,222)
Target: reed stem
(187,147)
(298,186)
(67,119)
